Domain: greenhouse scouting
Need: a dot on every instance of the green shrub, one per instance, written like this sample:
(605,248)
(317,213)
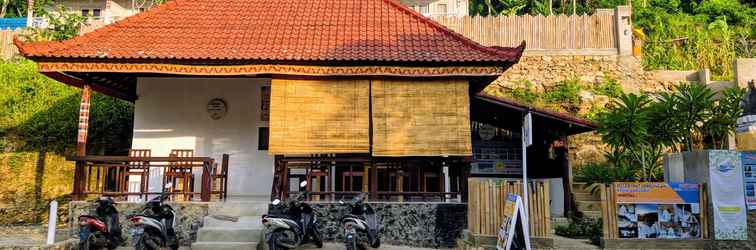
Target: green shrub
(609,87)
(583,228)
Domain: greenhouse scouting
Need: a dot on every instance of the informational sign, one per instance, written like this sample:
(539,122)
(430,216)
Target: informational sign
(512,233)
(658,210)
(749,178)
(727,198)
(496,151)
(527,130)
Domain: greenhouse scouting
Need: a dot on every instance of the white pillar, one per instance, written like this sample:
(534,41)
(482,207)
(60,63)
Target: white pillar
(53,220)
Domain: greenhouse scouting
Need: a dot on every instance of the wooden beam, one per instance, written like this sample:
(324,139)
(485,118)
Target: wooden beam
(79,83)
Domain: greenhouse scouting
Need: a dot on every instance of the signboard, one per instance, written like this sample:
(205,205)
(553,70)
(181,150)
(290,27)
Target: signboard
(527,130)
(658,210)
(496,151)
(749,178)
(512,233)
(725,174)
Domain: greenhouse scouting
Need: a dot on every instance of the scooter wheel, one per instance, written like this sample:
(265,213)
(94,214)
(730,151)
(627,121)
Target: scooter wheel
(87,243)
(376,244)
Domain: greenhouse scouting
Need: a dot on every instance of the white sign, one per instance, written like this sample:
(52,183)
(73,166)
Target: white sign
(513,233)
(527,130)
(727,197)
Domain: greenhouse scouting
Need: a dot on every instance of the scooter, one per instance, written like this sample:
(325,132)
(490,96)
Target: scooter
(100,228)
(155,227)
(360,225)
(293,225)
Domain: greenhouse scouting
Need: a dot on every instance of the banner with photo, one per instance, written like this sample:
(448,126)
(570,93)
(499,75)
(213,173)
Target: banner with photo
(749,178)
(727,198)
(658,210)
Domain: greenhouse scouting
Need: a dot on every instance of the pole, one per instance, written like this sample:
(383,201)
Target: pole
(527,140)
(29,13)
(52,222)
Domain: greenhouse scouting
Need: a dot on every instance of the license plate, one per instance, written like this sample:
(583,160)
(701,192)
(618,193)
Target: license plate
(137,231)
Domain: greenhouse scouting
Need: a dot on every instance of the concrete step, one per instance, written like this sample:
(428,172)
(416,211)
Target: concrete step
(207,245)
(248,222)
(589,206)
(219,234)
(239,208)
(592,214)
(585,196)
(579,186)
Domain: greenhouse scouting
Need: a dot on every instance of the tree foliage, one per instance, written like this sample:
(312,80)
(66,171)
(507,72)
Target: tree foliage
(640,128)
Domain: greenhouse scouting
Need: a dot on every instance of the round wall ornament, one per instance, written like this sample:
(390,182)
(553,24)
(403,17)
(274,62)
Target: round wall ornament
(487,132)
(217,108)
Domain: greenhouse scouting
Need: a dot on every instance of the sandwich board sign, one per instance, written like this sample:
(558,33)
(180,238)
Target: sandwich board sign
(512,233)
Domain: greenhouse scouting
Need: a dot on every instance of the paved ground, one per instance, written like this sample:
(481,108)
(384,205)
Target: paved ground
(572,244)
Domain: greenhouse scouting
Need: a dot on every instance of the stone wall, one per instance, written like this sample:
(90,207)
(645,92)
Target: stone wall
(410,224)
(545,72)
(190,215)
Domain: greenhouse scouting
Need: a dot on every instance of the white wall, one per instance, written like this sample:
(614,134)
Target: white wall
(171,113)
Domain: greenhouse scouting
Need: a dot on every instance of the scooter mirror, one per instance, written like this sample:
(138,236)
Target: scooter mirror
(303,184)
(168,185)
(276,202)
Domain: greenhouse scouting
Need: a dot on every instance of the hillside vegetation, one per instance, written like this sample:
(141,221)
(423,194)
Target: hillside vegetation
(38,114)
(676,34)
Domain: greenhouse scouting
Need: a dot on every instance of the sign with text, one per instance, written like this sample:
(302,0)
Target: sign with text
(749,178)
(512,233)
(727,196)
(658,210)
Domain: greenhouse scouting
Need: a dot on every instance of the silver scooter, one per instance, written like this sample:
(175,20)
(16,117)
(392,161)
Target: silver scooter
(294,224)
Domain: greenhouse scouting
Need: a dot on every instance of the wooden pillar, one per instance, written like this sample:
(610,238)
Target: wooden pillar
(81,143)
(373,181)
(566,177)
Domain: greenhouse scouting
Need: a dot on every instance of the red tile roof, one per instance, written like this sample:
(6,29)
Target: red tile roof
(275,30)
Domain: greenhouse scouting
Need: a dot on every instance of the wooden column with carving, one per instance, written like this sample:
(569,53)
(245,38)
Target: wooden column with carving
(81,142)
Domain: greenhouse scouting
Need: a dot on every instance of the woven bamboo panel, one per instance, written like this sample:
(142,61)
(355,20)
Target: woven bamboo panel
(421,118)
(308,117)
(7,49)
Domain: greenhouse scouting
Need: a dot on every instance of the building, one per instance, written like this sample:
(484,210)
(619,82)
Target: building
(434,8)
(106,11)
(353,96)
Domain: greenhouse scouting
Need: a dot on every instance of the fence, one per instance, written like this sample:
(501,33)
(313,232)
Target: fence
(486,205)
(7,49)
(560,32)
(610,217)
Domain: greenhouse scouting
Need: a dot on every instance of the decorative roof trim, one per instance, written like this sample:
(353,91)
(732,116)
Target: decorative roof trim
(257,69)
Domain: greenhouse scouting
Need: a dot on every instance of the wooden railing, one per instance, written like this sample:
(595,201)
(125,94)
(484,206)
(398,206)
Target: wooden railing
(105,175)
(485,209)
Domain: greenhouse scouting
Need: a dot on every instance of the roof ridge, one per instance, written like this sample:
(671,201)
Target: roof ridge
(492,50)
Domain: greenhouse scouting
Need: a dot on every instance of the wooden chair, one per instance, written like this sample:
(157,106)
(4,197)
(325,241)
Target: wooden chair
(180,173)
(220,176)
(137,168)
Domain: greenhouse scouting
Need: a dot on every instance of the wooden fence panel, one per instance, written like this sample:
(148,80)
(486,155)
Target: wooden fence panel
(486,205)
(555,32)
(7,49)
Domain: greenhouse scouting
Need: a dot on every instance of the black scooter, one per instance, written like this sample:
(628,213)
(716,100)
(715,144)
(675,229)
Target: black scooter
(155,227)
(360,225)
(100,228)
(293,224)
